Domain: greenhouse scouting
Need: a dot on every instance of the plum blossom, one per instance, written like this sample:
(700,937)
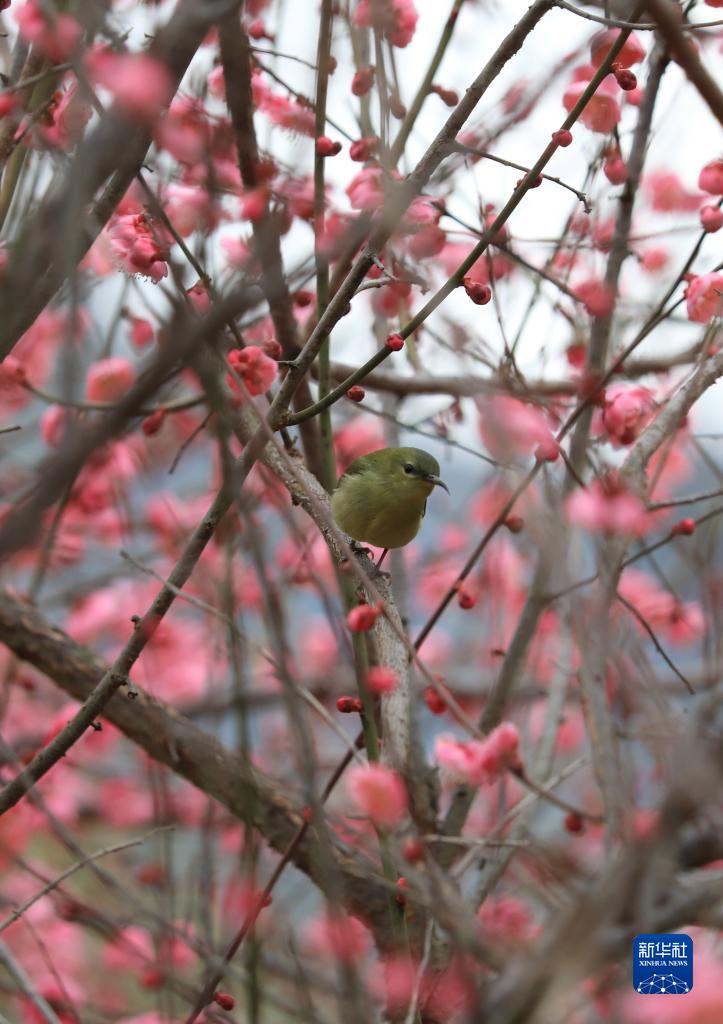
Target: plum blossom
(139,246)
(366,189)
(67,115)
(56,38)
(602,112)
(677,622)
(381,679)
(632,52)
(606,506)
(512,428)
(378,793)
(480,762)
(397,19)
(339,936)
(254,367)
(140,84)
(711,178)
(704,297)
(667,194)
(109,379)
(627,412)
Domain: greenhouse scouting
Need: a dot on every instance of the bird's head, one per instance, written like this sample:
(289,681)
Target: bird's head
(414,471)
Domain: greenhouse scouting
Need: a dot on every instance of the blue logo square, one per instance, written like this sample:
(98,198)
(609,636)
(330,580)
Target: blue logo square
(663,964)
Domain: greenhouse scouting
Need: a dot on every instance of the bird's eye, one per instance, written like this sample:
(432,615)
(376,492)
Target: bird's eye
(409,468)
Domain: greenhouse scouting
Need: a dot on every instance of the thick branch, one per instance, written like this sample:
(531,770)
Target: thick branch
(171,739)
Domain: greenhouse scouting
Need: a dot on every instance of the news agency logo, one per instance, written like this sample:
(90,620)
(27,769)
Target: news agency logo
(663,964)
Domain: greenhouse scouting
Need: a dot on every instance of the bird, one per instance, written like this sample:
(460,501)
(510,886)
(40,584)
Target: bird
(381,498)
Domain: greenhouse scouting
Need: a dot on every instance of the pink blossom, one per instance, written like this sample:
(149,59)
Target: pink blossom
(506,919)
(381,679)
(667,193)
(511,428)
(253,203)
(704,297)
(627,412)
(366,189)
(655,259)
(596,295)
(238,254)
(487,270)
(191,209)
(109,379)
(53,424)
(397,18)
(142,333)
(632,52)
(605,506)
(257,371)
(379,793)
(141,85)
(677,622)
(602,112)
(480,762)
(56,38)
(139,246)
(711,178)
(185,132)
(339,936)
(361,618)
(67,115)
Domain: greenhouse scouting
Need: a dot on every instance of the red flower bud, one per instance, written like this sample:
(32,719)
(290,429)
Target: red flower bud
(478,292)
(325,147)
(447,96)
(465,599)
(363,149)
(413,850)
(363,617)
(514,523)
(396,107)
(362,81)
(711,218)
(402,887)
(153,423)
(355,394)
(349,705)
(683,528)
(562,137)
(574,823)
(224,1000)
(625,78)
(395,342)
(434,701)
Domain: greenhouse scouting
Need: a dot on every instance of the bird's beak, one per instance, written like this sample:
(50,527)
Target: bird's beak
(437,482)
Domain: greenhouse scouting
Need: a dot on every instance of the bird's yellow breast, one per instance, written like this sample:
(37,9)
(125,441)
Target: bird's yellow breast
(371,511)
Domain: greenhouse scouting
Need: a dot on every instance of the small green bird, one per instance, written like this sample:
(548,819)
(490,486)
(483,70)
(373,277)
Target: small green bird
(382,497)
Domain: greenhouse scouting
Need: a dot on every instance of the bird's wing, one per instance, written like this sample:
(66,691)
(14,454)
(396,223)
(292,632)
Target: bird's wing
(424,509)
(354,470)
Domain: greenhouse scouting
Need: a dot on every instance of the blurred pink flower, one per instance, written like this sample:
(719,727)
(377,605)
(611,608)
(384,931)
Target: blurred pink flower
(602,112)
(667,193)
(711,178)
(109,379)
(704,297)
(379,793)
(141,85)
(397,19)
(627,412)
(480,762)
(337,936)
(605,506)
(511,428)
